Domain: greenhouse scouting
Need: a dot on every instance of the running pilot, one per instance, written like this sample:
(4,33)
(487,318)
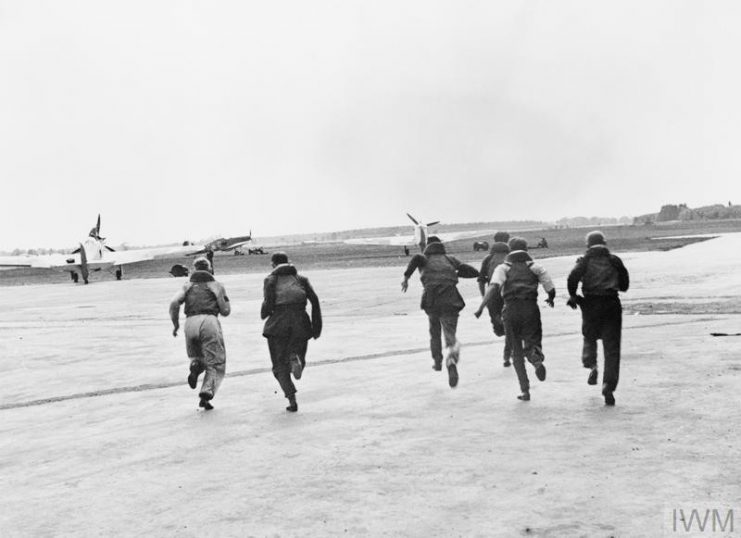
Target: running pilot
(288,327)
(205,299)
(441,300)
(602,276)
(513,292)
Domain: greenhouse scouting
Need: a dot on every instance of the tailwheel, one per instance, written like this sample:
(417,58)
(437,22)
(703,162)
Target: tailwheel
(74,277)
(119,273)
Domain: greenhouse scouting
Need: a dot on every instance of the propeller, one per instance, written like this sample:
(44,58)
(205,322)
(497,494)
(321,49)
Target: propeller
(83,264)
(417,223)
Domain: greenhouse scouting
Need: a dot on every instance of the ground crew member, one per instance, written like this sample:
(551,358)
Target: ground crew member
(514,292)
(204,299)
(602,276)
(497,254)
(288,327)
(440,300)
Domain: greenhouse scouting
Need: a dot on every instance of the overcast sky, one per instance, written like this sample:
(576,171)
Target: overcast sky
(183,120)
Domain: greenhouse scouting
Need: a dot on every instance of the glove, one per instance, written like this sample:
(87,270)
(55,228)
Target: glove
(551,297)
(573,301)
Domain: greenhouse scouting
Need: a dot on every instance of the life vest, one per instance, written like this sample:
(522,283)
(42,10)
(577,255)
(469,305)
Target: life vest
(199,299)
(289,291)
(601,276)
(521,282)
(438,270)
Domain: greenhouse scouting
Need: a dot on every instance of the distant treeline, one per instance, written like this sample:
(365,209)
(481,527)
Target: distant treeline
(45,251)
(574,222)
(36,251)
(681,212)
(406,230)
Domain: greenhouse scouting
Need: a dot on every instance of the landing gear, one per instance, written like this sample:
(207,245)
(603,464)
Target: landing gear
(119,273)
(74,277)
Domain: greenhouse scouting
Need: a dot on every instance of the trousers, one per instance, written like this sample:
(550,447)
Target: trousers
(442,324)
(281,348)
(204,343)
(602,319)
(523,328)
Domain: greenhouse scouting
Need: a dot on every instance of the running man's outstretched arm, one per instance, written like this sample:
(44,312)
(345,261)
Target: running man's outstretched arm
(463,270)
(175,310)
(545,280)
(492,292)
(418,261)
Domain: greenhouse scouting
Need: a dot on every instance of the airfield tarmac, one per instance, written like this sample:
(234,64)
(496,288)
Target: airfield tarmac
(100,435)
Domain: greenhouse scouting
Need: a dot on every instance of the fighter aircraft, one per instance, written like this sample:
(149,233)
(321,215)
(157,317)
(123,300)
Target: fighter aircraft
(93,254)
(226,243)
(418,238)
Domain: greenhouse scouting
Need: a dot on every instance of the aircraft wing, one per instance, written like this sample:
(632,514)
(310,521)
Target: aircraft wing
(447,237)
(396,240)
(123,257)
(71,262)
(401,240)
(236,245)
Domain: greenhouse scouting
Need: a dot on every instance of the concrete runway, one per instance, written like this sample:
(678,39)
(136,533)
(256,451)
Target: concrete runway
(100,435)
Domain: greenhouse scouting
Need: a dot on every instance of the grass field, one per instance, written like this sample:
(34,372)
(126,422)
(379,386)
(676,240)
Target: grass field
(562,242)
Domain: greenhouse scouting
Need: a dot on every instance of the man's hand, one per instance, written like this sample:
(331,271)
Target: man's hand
(478,313)
(175,330)
(551,297)
(405,285)
(574,301)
